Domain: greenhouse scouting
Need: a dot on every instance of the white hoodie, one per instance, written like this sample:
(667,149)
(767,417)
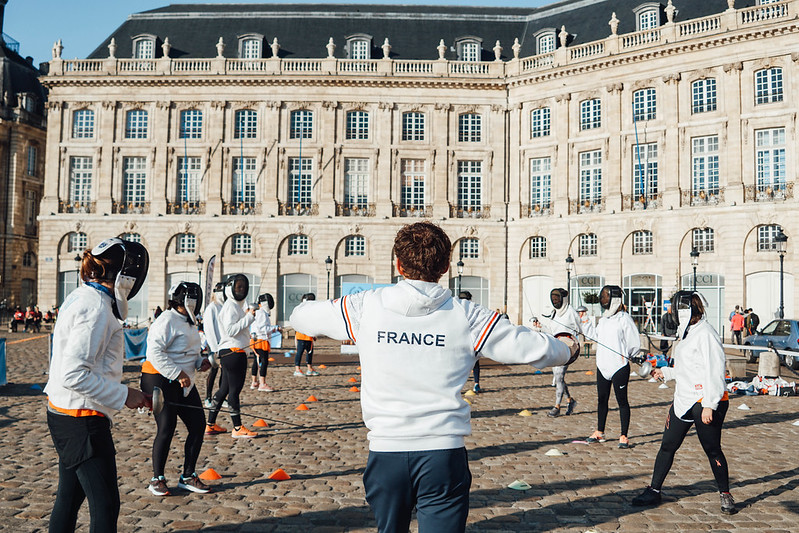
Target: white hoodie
(173,344)
(614,335)
(417,346)
(565,320)
(262,327)
(234,326)
(211,325)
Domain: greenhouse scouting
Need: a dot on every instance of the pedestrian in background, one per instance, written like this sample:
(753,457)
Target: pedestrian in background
(304,345)
(466,295)
(737,325)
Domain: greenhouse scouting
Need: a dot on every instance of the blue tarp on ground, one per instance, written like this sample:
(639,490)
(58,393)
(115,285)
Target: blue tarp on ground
(3,376)
(135,343)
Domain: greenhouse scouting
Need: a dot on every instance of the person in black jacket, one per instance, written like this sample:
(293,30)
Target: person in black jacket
(668,328)
(752,322)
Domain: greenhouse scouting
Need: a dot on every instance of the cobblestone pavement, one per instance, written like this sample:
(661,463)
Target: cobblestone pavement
(587,489)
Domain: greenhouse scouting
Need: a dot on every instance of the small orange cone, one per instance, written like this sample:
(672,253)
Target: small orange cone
(354,389)
(322,367)
(352,380)
(589,373)
(271,359)
(260,423)
(358,368)
(302,407)
(311,398)
(210,474)
(279,475)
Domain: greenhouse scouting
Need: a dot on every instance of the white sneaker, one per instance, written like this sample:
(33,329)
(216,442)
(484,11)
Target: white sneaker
(208,403)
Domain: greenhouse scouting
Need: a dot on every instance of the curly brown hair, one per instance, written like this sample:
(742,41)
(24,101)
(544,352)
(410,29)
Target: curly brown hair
(423,250)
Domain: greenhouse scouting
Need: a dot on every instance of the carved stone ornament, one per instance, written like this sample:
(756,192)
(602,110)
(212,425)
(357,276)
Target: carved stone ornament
(275,47)
(670,11)
(386,49)
(220,48)
(218,104)
(470,231)
(497,108)
(331,49)
(795,57)
(78,225)
(563,36)
(700,221)
(300,105)
(563,98)
(443,107)
(251,104)
(187,227)
(130,226)
(385,105)
(615,87)
(672,78)
(163,104)
(242,228)
(356,229)
(166,47)
(327,104)
(54,105)
(442,49)
(738,65)
(57,49)
(497,52)
(300,229)
(107,104)
(357,106)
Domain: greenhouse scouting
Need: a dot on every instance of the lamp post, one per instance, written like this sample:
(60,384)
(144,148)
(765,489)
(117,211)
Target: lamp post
(782,246)
(200,262)
(569,267)
(328,267)
(694,262)
(459,264)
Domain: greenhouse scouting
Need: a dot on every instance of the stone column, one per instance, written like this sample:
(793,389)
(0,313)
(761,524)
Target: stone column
(562,180)
(669,152)
(326,164)
(439,167)
(163,170)
(104,172)
(52,164)
(612,158)
(732,142)
(216,165)
(380,194)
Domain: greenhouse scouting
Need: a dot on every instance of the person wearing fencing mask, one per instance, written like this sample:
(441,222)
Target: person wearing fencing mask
(260,331)
(617,339)
(304,345)
(234,329)
(700,398)
(173,356)
(212,336)
(563,319)
(84,388)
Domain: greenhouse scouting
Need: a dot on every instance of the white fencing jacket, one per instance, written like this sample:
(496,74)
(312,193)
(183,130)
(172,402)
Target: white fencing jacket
(615,334)
(565,320)
(88,353)
(262,327)
(173,344)
(234,326)
(211,325)
(417,346)
(699,367)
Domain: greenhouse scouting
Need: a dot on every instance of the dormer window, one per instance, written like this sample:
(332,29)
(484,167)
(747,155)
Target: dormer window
(250,46)
(545,41)
(359,47)
(469,49)
(144,47)
(647,16)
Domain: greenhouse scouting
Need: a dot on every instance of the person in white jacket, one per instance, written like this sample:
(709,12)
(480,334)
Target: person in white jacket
(417,346)
(84,388)
(173,355)
(564,319)
(211,330)
(700,397)
(617,339)
(260,331)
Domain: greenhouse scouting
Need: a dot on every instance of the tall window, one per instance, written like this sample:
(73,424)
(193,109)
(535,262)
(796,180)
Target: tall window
(143,48)
(644,104)
(768,85)
(189,173)
(250,49)
(359,49)
(134,187)
(413,126)
(590,178)
(642,243)
(186,243)
(136,124)
(704,240)
(705,166)
(470,177)
(412,193)
(241,245)
(244,177)
(470,51)
(83,124)
(298,245)
(590,114)
(80,180)
(301,126)
(29,259)
(31,211)
(540,120)
(357,125)
(356,183)
(645,171)
(546,43)
(469,248)
(469,128)
(648,20)
(355,246)
(191,124)
(32,155)
(132,237)
(770,159)
(588,245)
(540,183)
(77,242)
(766,238)
(246,124)
(300,182)
(538,247)
(703,95)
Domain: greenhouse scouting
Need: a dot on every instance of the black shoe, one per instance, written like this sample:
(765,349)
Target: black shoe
(555,411)
(571,406)
(727,503)
(649,497)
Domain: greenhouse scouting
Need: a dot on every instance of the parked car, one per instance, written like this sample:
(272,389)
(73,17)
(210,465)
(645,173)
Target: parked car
(784,334)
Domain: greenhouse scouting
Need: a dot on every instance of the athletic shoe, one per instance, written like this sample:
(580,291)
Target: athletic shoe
(225,404)
(555,411)
(253,386)
(158,486)
(208,403)
(477,388)
(596,436)
(727,503)
(243,433)
(214,429)
(571,406)
(624,442)
(650,496)
(299,374)
(266,388)
(193,483)
(311,373)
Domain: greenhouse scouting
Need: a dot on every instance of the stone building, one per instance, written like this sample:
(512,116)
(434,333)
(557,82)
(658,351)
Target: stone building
(22,149)
(621,134)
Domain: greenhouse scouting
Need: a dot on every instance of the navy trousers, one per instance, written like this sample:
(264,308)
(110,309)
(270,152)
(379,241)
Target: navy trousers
(434,482)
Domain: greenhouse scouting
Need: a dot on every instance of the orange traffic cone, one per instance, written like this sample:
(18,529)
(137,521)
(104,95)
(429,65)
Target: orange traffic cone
(279,475)
(352,380)
(358,368)
(322,367)
(271,359)
(589,373)
(210,474)
(354,389)
(260,423)
(302,407)
(311,398)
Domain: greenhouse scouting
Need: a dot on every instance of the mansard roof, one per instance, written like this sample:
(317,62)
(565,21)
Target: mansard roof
(413,31)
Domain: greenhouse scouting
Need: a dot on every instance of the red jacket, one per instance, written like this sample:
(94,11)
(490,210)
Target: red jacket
(737,322)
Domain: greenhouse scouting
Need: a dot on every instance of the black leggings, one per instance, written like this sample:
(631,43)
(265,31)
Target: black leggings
(619,382)
(260,362)
(307,347)
(709,436)
(234,372)
(209,381)
(167,421)
(87,469)
(476,372)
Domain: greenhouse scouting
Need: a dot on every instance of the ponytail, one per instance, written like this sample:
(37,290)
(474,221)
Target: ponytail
(100,268)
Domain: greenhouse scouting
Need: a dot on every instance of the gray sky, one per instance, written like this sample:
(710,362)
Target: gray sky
(83,24)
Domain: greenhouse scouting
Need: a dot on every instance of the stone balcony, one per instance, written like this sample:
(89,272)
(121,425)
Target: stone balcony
(768,193)
(135,208)
(185,208)
(241,208)
(297,209)
(350,210)
(398,210)
(76,207)
(456,211)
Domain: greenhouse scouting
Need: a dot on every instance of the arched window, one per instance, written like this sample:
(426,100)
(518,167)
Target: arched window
(768,85)
(83,124)
(703,95)
(540,120)
(642,243)
(298,245)
(704,240)
(546,41)
(357,125)
(469,248)
(241,245)
(469,128)
(186,243)
(647,16)
(359,47)
(644,104)
(538,247)
(588,245)
(144,47)
(590,114)
(355,246)
(191,124)
(136,122)
(301,126)
(251,46)
(413,126)
(246,124)
(469,49)
(766,237)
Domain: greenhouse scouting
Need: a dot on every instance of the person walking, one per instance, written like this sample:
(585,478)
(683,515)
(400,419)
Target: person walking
(417,345)
(615,334)
(737,325)
(260,331)
(212,336)
(564,319)
(84,389)
(700,398)
(304,345)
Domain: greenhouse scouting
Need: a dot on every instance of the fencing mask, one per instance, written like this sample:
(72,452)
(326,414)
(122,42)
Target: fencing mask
(267,300)
(130,277)
(308,296)
(684,307)
(219,292)
(237,287)
(190,296)
(610,299)
(558,297)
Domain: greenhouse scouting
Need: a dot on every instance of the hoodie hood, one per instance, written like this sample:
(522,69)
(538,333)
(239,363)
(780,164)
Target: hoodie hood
(415,298)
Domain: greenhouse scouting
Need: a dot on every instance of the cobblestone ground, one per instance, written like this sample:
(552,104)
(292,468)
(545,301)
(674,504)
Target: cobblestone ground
(587,489)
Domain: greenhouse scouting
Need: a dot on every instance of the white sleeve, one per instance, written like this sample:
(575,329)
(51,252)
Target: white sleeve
(715,368)
(229,324)
(320,318)
(631,336)
(159,338)
(209,328)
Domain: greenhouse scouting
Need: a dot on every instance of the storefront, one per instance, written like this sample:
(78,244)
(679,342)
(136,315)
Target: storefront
(711,286)
(644,300)
(290,288)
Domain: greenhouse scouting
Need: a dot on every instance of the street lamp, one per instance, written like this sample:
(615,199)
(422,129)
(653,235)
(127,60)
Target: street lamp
(200,262)
(782,245)
(569,268)
(459,264)
(694,262)
(328,267)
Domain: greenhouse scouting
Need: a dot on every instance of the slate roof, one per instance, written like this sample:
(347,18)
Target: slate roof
(413,31)
(17,75)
